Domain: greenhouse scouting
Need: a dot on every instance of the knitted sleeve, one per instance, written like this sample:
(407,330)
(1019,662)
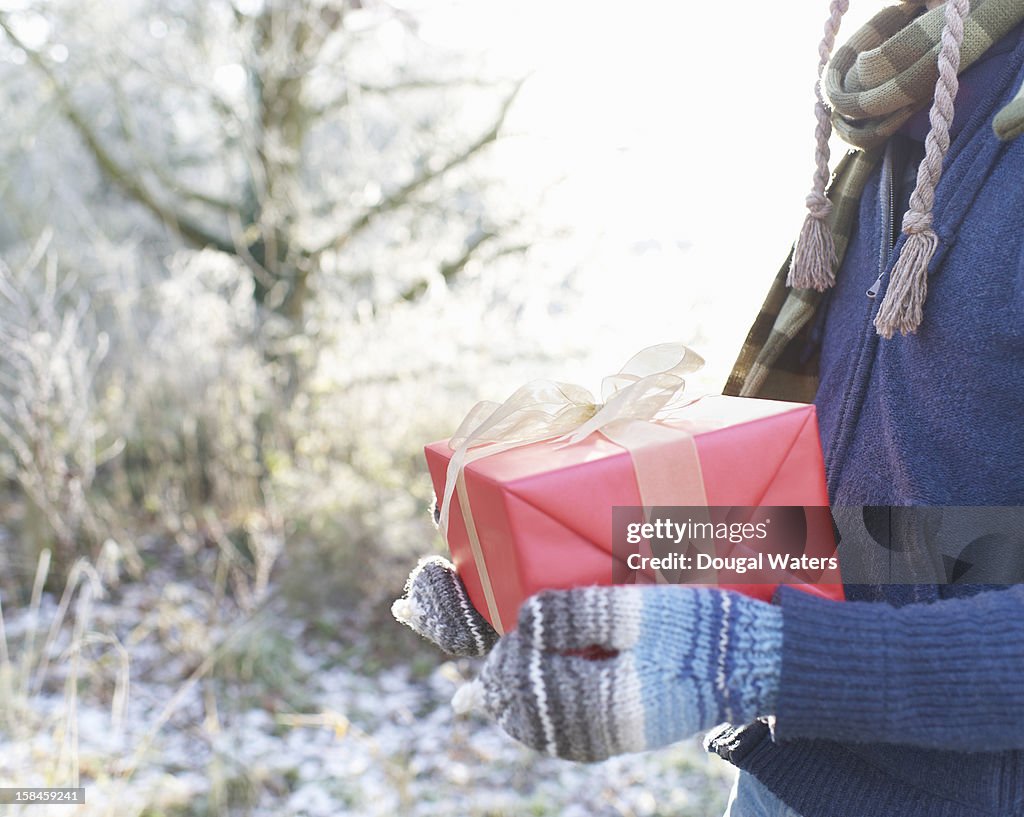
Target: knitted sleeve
(944,675)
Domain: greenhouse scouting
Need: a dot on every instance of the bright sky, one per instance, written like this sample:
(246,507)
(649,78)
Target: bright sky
(687,133)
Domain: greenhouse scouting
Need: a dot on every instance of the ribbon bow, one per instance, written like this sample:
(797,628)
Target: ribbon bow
(650,387)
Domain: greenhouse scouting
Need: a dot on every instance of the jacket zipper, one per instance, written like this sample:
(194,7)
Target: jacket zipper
(888,225)
(859,376)
(858,381)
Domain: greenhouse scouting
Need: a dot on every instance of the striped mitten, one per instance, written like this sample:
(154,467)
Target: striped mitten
(436,606)
(598,671)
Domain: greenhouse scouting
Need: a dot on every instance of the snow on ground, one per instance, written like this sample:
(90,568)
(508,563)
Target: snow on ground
(294,727)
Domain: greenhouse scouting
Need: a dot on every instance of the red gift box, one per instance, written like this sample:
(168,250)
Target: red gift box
(542,512)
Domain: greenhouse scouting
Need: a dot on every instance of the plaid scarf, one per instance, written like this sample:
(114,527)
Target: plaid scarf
(887,70)
(883,75)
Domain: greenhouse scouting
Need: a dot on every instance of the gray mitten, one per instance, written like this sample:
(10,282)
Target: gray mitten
(436,606)
(598,671)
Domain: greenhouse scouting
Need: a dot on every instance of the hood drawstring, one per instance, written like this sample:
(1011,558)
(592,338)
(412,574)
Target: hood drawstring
(814,256)
(902,307)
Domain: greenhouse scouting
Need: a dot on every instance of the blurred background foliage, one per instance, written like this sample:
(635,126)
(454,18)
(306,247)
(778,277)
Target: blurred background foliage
(231,232)
(253,255)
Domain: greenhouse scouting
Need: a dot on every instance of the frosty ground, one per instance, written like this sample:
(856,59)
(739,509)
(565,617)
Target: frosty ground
(281,717)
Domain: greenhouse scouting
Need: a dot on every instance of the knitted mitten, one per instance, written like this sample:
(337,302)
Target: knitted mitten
(599,671)
(436,606)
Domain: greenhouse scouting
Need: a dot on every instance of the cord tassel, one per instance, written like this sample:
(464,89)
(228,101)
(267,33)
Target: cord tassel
(814,257)
(902,308)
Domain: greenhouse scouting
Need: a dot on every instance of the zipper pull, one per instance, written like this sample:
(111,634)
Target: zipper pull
(873,289)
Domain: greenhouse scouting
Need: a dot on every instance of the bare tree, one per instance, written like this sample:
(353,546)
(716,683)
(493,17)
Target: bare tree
(255,201)
(244,127)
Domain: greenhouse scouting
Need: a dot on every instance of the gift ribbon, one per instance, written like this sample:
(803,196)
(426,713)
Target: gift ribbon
(648,390)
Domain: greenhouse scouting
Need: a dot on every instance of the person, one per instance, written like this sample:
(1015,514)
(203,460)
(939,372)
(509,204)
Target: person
(905,699)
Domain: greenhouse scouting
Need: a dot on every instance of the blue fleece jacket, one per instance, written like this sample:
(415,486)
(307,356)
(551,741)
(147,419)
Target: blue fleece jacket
(909,700)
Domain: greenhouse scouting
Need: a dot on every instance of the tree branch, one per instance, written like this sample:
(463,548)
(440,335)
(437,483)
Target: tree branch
(400,196)
(118,175)
(452,268)
(403,86)
(145,163)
